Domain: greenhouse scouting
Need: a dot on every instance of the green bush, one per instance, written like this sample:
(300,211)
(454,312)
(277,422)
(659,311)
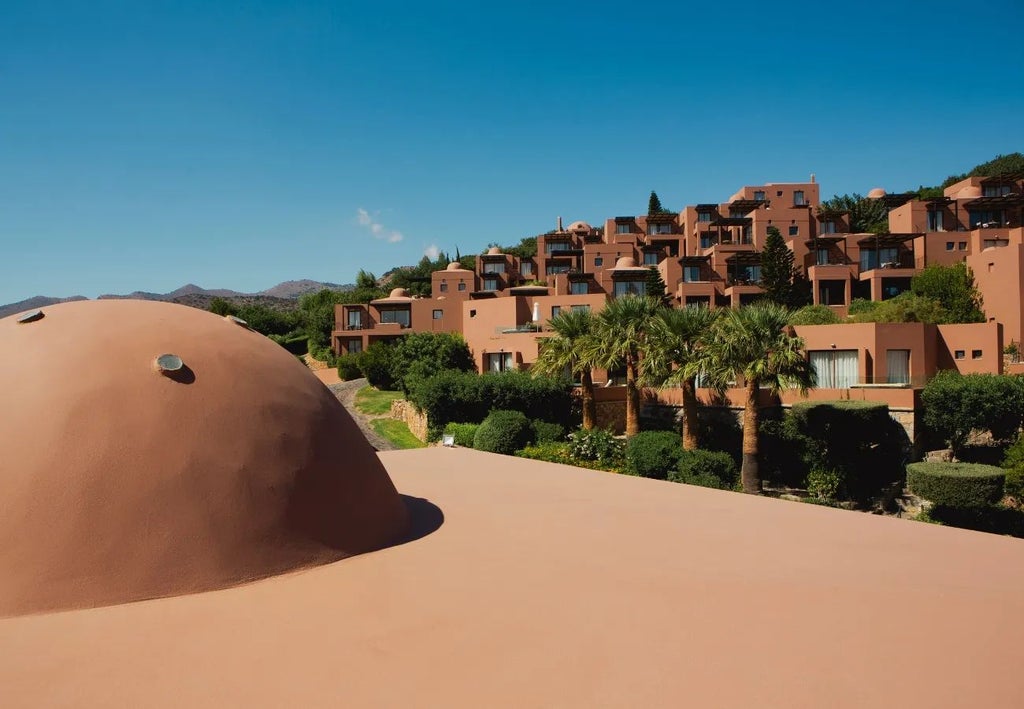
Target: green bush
(652,454)
(853,449)
(957,404)
(1013,463)
(814,315)
(559,453)
(420,354)
(375,363)
(782,453)
(464,433)
(503,432)
(705,468)
(597,445)
(956,485)
(348,367)
(547,432)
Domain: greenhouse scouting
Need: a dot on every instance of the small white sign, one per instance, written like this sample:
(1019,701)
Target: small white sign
(448,441)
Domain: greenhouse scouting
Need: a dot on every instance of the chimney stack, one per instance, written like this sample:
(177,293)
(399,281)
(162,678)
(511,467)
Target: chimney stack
(812,178)
(559,224)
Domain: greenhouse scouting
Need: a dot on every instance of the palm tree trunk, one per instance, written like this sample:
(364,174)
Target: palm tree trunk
(632,400)
(589,407)
(689,432)
(749,473)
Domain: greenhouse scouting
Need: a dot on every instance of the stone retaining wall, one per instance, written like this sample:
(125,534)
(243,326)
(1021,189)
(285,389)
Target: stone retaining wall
(405,411)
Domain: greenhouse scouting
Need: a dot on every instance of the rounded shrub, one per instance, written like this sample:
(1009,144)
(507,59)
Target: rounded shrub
(596,445)
(547,432)
(348,367)
(652,454)
(957,485)
(463,432)
(705,468)
(503,432)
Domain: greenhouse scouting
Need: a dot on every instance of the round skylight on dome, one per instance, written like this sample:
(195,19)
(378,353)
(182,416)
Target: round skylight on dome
(169,363)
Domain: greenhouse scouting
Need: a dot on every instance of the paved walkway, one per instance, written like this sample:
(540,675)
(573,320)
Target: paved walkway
(346,394)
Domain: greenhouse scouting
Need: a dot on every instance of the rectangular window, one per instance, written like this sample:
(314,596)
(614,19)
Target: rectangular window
(462,285)
(555,247)
(494,268)
(395,315)
(798,197)
(794,231)
(556,310)
(630,288)
(555,268)
(949,246)
(622,228)
(444,286)
(935,220)
(832,292)
(579,288)
(691,274)
(526,268)
(975,354)
(500,362)
(490,283)
(581,308)
(828,227)
(759,195)
(996,191)
(598,262)
(958,354)
(659,228)
(355,320)
(703,216)
(707,240)
(650,258)
(698,301)
(438,314)
(897,366)
(985,218)
(834,369)
(883,258)
(821,257)
(354,346)
(961,245)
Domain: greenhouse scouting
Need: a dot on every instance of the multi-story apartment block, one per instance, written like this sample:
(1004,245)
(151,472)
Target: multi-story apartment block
(710,254)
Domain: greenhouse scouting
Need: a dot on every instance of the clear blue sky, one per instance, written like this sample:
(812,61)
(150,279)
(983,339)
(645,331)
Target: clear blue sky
(144,145)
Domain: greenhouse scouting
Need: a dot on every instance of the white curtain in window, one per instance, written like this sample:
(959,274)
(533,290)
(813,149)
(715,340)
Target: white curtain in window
(835,369)
(897,364)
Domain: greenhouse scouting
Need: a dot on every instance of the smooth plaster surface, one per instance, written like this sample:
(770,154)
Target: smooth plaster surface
(548,585)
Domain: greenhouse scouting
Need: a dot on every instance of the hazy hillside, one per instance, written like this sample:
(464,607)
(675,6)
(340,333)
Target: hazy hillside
(38,301)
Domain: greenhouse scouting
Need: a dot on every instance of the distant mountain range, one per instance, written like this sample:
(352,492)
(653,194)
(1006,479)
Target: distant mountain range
(191,294)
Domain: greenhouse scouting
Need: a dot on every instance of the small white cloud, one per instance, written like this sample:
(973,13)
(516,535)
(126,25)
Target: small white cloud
(432,252)
(379,231)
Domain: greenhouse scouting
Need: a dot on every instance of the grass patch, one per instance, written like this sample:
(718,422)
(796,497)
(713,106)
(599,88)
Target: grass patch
(397,433)
(374,402)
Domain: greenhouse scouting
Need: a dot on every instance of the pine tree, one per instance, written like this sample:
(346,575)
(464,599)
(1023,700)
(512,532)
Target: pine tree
(777,269)
(654,205)
(656,287)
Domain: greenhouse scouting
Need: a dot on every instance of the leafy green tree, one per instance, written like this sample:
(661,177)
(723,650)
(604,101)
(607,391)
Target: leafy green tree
(906,307)
(620,338)
(316,317)
(656,287)
(999,165)
(568,350)
(956,404)
(953,287)
(674,356)
(422,354)
(526,248)
(755,343)
(866,215)
(365,280)
(220,306)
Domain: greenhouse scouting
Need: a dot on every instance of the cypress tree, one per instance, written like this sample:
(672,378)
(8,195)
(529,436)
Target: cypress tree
(777,269)
(654,205)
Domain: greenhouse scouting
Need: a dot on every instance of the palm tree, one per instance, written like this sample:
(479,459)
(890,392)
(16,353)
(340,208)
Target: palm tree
(674,356)
(566,351)
(755,343)
(619,339)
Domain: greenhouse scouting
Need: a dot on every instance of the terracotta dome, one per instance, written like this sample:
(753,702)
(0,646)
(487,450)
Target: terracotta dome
(626,262)
(494,251)
(399,293)
(969,192)
(579,226)
(876,193)
(124,478)
(454,266)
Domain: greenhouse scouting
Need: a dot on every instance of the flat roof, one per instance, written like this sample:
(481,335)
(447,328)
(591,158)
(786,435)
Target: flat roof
(536,584)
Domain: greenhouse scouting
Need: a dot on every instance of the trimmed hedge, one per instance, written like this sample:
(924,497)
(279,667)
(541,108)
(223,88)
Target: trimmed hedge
(466,396)
(503,432)
(956,485)
(652,454)
(463,432)
(705,468)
